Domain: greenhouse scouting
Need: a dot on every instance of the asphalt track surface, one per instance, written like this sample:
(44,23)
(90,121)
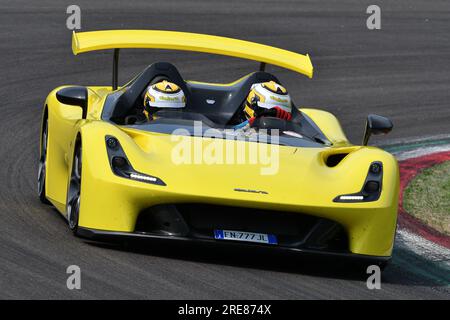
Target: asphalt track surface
(401,71)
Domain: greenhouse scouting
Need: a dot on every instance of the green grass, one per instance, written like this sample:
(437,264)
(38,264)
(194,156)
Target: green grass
(427,197)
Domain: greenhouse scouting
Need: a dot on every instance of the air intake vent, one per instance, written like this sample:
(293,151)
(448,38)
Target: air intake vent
(334,159)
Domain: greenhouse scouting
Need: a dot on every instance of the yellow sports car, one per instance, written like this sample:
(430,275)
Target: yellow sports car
(192,174)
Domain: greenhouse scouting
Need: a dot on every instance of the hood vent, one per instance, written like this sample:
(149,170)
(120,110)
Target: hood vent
(334,159)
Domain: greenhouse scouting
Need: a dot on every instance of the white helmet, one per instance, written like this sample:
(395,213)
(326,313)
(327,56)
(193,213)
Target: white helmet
(164,94)
(267,95)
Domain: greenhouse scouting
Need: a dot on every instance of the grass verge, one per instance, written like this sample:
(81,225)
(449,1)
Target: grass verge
(427,197)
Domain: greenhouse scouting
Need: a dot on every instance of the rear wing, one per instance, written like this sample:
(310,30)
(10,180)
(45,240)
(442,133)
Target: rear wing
(172,40)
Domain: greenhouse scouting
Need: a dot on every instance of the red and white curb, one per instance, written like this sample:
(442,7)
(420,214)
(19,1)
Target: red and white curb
(412,233)
(408,170)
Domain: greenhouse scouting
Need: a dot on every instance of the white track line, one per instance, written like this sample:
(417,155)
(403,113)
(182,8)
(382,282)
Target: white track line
(423,247)
(404,155)
(412,140)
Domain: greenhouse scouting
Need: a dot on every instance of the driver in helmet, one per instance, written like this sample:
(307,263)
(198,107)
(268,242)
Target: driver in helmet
(162,95)
(267,99)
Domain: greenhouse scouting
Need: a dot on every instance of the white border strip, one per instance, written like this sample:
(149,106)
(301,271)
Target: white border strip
(404,155)
(423,247)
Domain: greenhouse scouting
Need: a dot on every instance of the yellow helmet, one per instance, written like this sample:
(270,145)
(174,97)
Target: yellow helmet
(163,94)
(267,95)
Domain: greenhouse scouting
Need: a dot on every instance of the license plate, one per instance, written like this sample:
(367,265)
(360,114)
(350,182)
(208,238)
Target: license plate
(245,236)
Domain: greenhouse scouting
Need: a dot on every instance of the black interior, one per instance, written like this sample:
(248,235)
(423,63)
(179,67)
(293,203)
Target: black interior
(224,101)
(218,103)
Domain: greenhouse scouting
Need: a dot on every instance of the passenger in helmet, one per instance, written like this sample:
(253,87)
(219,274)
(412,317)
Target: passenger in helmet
(267,99)
(162,95)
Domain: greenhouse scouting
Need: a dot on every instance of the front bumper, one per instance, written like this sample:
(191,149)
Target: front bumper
(302,186)
(119,237)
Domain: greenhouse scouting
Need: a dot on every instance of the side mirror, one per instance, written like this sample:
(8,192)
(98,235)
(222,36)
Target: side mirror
(376,125)
(74,96)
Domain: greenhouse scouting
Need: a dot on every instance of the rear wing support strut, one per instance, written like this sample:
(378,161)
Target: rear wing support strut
(262,66)
(115,75)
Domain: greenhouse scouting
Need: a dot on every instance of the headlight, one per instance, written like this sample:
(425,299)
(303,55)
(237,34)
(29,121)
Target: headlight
(122,167)
(371,189)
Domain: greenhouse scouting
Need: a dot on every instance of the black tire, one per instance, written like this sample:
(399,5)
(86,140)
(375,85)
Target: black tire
(43,164)
(74,192)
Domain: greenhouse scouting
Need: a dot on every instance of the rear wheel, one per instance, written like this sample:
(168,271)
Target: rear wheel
(43,164)
(73,195)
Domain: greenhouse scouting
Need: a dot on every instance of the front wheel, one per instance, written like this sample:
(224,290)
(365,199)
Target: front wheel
(43,164)
(74,193)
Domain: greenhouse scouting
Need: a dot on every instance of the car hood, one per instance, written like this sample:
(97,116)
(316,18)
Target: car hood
(272,174)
